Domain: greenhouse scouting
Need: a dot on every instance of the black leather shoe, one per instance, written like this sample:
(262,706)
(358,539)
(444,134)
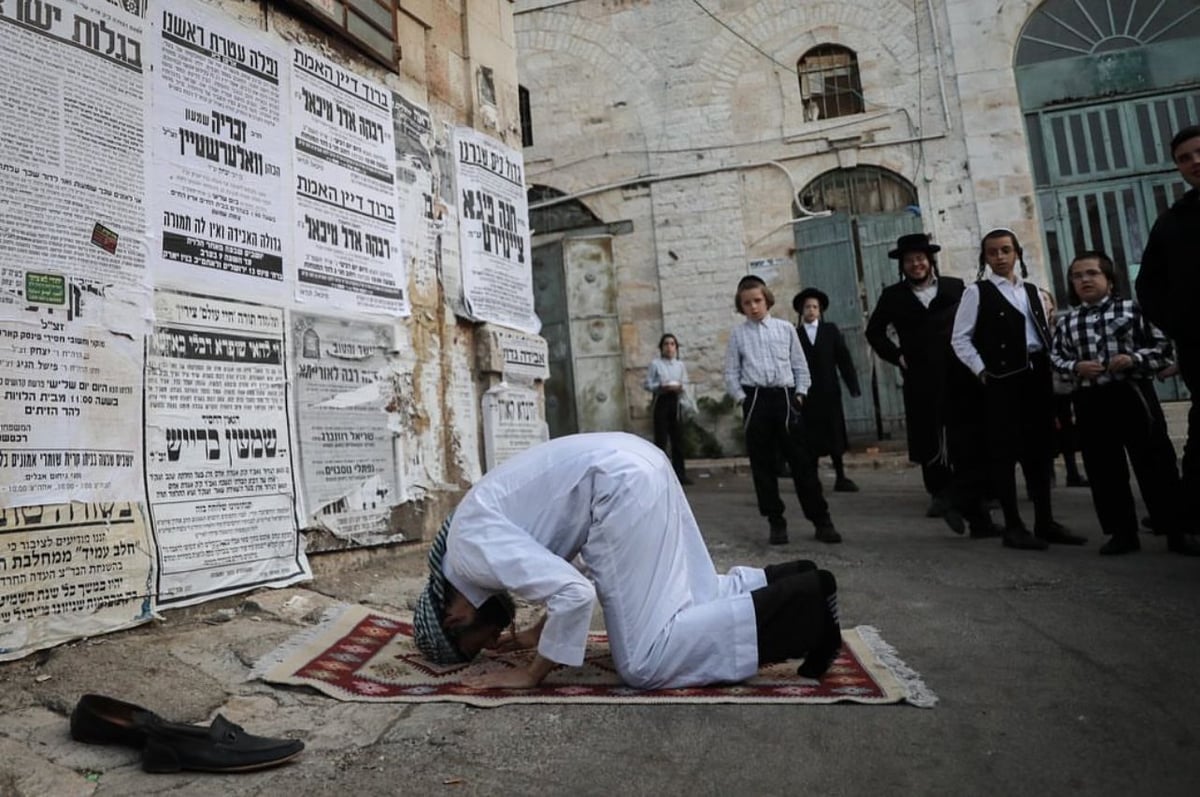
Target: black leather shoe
(1057,534)
(844,485)
(986,529)
(937,508)
(1120,545)
(827,533)
(1023,540)
(1183,545)
(779,535)
(171,746)
(954,519)
(221,747)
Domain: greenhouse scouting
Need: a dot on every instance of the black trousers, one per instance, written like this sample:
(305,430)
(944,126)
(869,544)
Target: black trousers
(669,429)
(1119,419)
(1188,357)
(774,429)
(1019,423)
(789,614)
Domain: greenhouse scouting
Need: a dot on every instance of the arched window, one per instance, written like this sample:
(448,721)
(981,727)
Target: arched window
(829,82)
(569,214)
(865,189)
(1069,28)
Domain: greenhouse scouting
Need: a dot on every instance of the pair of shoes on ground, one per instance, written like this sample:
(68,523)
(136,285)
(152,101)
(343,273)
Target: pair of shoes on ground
(825,532)
(1078,481)
(844,485)
(171,746)
(1117,545)
(1042,537)
(980,528)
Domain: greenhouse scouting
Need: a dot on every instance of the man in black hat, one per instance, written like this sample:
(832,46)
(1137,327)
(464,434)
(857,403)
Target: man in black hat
(920,310)
(827,355)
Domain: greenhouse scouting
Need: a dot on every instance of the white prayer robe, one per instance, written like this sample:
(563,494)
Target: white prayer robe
(613,499)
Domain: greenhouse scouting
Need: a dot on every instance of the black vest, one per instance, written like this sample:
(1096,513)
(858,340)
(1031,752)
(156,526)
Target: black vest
(999,335)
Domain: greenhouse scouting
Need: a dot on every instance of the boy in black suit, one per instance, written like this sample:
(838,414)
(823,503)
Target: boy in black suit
(827,355)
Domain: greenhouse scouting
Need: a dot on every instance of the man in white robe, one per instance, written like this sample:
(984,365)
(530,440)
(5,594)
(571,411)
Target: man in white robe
(613,500)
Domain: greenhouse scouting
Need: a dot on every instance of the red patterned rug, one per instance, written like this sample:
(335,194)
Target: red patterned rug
(365,655)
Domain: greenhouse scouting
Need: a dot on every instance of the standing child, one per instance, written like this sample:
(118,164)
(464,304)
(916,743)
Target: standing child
(1001,335)
(765,372)
(1113,353)
(827,355)
(667,379)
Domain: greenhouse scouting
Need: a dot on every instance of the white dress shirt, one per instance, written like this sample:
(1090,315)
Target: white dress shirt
(811,331)
(765,353)
(926,292)
(613,500)
(968,314)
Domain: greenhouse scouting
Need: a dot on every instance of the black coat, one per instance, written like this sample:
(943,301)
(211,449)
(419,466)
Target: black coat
(924,340)
(824,420)
(1169,278)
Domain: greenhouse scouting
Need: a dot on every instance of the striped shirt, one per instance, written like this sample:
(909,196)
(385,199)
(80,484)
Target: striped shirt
(765,353)
(1103,330)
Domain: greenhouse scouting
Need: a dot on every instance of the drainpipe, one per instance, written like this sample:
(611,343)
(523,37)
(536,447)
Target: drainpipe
(937,61)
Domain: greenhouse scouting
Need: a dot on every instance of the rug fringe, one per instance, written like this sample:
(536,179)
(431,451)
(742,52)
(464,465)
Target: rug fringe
(297,642)
(918,693)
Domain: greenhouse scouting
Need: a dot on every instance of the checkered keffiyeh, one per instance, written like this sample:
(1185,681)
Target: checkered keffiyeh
(428,633)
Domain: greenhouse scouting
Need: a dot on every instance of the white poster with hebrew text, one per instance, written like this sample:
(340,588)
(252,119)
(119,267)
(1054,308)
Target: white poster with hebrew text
(218,449)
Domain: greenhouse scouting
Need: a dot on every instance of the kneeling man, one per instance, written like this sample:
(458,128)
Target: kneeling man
(613,501)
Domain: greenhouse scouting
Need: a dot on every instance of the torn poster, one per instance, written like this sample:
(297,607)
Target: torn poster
(347,453)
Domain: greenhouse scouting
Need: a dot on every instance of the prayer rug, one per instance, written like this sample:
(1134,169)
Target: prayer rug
(360,654)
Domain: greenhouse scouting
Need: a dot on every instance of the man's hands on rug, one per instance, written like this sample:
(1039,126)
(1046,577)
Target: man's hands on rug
(520,640)
(516,678)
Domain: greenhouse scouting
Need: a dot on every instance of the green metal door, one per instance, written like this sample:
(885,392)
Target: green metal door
(826,259)
(877,235)
(550,303)
(846,257)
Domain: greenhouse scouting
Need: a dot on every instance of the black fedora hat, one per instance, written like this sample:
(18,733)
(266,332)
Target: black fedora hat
(810,293)
(913,242)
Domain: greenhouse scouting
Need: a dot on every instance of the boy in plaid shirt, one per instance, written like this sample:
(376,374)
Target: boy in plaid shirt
(1113,354)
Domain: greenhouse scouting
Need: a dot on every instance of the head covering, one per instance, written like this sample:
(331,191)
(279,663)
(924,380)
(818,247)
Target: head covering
(428,632)
(913,242)
(810,293)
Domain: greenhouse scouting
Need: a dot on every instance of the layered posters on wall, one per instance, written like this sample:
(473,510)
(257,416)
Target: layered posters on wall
(347,234)
(218,449)
(221,166)
(497,273)
(74,296)
(347,454)
(71,570)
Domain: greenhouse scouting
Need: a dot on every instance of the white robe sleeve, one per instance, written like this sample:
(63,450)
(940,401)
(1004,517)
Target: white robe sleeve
(501,556)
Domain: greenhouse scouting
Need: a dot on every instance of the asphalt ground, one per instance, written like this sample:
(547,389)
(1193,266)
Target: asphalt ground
(1057,672)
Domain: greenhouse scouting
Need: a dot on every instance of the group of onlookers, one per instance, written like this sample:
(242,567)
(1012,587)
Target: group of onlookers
(993,377)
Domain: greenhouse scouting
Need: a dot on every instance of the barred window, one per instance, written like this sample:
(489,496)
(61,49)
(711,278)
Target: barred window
(368,24)
(829,82)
